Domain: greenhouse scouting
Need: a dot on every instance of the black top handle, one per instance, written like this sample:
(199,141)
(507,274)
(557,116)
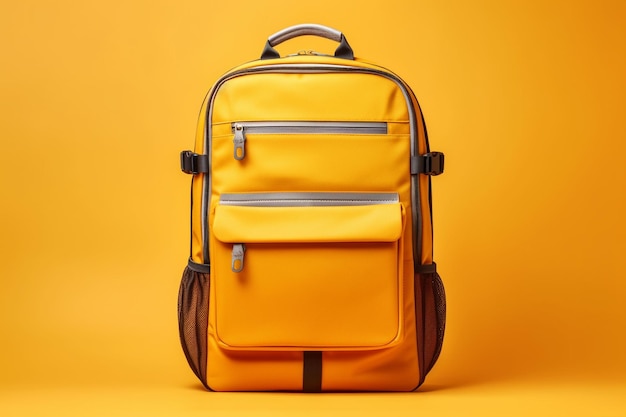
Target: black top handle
(343,50)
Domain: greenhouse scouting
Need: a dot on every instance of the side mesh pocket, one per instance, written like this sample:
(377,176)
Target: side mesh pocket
(193,316)
(434,315)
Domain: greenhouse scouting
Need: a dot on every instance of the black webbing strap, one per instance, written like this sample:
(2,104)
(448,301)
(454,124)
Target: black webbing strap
(312,371)
(202,268)
(426,269)
(193,163)
(430,163)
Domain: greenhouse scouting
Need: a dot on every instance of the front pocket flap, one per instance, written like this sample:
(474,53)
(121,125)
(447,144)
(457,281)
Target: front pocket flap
(360,223)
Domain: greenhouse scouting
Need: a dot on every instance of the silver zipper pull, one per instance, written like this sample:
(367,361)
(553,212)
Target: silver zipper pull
(239,249)
(239,141)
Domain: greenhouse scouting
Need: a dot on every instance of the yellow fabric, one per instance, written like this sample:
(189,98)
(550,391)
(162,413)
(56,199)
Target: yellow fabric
(308,296)
(335,279)
(371,223)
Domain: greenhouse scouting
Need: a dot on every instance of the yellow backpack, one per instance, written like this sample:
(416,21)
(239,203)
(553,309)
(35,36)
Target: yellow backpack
(311,236)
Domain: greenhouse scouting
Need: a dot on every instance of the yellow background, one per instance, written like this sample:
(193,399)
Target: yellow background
(526,98)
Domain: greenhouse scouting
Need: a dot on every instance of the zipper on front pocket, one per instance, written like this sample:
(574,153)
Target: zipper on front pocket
(240,129)
(294,199)
(239,250)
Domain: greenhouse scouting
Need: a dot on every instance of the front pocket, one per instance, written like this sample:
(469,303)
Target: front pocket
(298,271)
(240,130)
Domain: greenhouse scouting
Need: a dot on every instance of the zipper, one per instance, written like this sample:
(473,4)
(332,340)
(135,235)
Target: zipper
(304,199)
(307,199)
(239,250)
(240,129)
(309,52)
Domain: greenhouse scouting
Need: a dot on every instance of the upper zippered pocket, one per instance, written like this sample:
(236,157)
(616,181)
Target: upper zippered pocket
(388,98)
(241,129)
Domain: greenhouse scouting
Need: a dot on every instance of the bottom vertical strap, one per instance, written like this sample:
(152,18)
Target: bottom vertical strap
(312,372)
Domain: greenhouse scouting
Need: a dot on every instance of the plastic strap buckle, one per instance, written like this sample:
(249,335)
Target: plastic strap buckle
(430,163)
(193,163)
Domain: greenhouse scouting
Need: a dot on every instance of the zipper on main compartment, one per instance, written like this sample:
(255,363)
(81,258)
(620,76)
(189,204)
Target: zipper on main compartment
(240,129)
(303,199)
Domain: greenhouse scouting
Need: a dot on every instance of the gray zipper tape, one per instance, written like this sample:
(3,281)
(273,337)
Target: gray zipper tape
(307,199)
(312,127)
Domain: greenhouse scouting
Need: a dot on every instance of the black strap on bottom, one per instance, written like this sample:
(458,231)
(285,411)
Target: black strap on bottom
(312,371)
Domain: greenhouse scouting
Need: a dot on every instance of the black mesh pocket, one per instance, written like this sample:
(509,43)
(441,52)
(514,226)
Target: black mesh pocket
(193,316)
(439,295)
(433,316)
